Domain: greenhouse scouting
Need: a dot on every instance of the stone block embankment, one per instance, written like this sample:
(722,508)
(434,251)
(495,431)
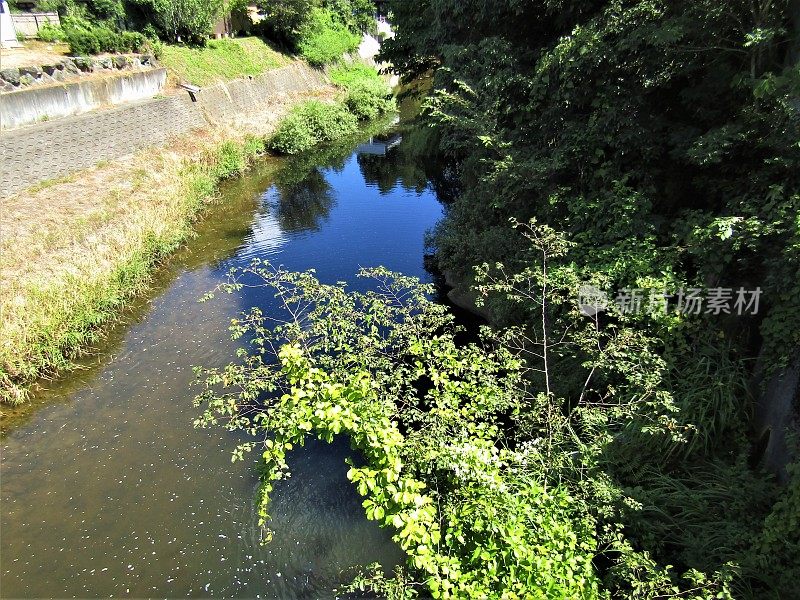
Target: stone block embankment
(69,68)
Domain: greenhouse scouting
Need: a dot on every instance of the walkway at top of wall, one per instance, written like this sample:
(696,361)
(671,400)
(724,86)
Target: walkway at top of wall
(55,149)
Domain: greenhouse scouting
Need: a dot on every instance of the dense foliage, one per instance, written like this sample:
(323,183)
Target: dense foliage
(324,39)
(661,138)
(646,145)
(311,123)
(85,37)
(473,513)
(189,21)
(320,30)
(314,122)
(367,94)
(287,21)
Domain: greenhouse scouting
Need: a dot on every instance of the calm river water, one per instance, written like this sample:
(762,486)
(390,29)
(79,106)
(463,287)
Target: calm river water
(108,490)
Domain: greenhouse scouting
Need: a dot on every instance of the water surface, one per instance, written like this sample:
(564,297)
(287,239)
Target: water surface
(108,491)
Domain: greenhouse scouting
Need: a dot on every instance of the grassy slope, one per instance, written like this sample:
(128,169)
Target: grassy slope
(221,60)
(67,270)
(101,247)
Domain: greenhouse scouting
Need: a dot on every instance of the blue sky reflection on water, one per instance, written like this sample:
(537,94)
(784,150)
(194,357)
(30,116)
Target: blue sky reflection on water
(107,490)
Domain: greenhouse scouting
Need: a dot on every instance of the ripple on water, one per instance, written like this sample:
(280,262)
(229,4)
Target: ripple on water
(111,492)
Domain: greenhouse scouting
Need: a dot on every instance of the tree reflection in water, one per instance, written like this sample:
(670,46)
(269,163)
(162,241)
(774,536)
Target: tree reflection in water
(407,157)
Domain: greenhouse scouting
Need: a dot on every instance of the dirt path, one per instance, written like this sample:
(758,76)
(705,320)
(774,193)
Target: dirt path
(33,53)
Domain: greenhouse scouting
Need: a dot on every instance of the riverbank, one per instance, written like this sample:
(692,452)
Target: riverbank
(76,249)
(107,453)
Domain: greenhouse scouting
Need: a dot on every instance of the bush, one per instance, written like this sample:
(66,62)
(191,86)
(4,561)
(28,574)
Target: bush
(367,94)
(230,160)
(310,124)
(470,510)
(190,21)
(51,33)
(130,41)
(85,38)
(368,99)
(325,39)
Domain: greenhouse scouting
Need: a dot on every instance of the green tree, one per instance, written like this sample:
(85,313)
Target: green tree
(285,19)
(189,21)
(661,139)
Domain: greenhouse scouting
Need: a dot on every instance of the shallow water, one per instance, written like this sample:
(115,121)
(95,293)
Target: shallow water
(108,490)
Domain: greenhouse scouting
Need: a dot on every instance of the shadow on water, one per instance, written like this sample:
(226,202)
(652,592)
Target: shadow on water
(107,488)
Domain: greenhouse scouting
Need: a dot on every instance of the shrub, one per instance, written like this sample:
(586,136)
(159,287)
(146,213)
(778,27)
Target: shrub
(368,99)
(471,512)
(85,38)
(150,32)
(130,41)
(185,20)
(367,94)
(310,124)
(325,39)
(230,160)
(51,33)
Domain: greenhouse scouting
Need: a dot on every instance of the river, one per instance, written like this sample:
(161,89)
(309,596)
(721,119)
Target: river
(108,490)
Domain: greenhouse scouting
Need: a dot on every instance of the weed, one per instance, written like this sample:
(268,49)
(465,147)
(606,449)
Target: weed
(43,329)
(220,60)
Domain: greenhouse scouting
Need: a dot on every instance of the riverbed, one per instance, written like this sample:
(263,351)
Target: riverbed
(108,490)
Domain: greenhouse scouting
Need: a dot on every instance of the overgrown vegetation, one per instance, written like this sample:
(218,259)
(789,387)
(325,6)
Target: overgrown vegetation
(321,31)
(644,146)
(314,122)
(221,60)
(87,38)
(475,515)
(368,95)
(51,33)
(311,123)
(324,39)
(189,21)
(42,327)
(660,139)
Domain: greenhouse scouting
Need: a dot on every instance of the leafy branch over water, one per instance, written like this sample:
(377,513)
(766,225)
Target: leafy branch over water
(493,484)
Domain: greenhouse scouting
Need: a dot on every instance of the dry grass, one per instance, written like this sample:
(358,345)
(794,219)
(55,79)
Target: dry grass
(74,250)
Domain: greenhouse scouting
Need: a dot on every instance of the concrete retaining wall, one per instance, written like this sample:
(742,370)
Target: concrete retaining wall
(42,151)
(26,106)
(29,23)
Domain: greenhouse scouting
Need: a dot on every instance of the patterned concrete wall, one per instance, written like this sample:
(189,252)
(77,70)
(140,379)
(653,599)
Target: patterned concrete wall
(32,154)
(29,105)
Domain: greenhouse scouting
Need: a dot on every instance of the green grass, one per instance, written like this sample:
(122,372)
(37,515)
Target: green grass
(325,40)
(368,95)
(221,60)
